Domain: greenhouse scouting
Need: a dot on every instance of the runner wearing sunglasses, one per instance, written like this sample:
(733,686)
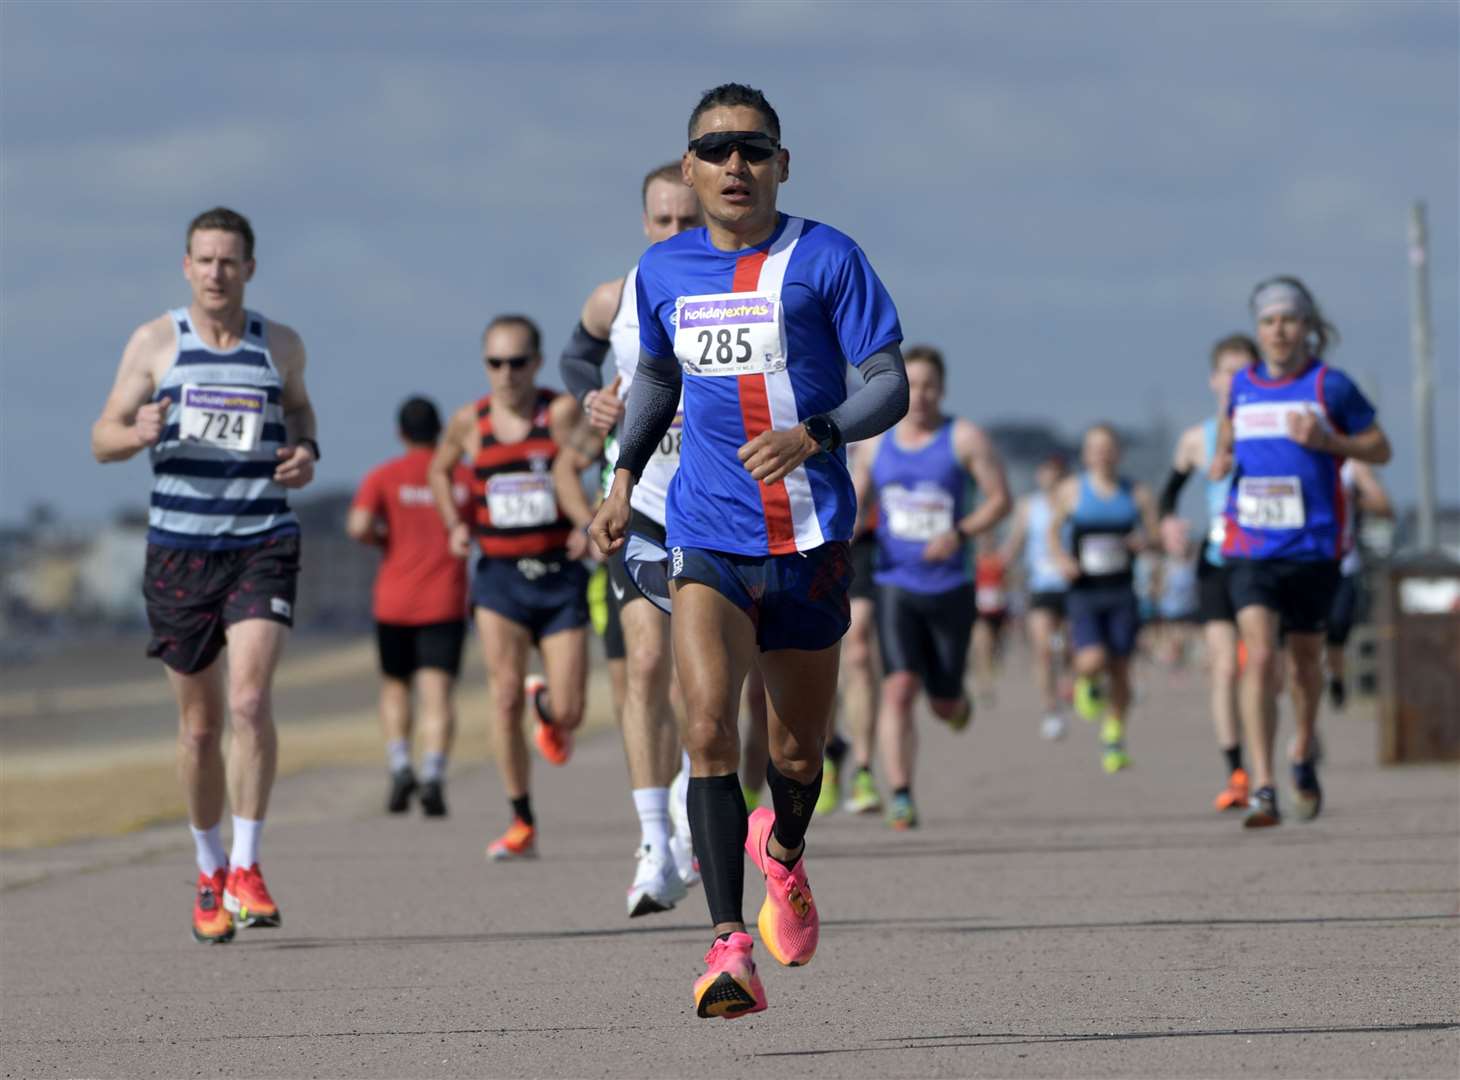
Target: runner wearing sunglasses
(609,324)
(529,589)
(754,318)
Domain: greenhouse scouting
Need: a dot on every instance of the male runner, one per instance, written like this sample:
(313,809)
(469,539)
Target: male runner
(529,589)
(754,317)
(1046,587)
(215,393)
(919,475)
(1194,451)
(1109,521)
(610,323)
(1288,425)
(1363,492)
(419,605)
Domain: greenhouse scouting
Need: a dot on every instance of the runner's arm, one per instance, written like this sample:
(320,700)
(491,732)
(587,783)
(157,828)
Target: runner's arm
(1150,538)
(1370,446)
(652,405)
(1185,461)
(361,524)
(296,458)
(862,482)
(451,449)
(1372,496)
(582,359)
(1018,533)
(130,421)
(977,454)
(566,422)
(879,402)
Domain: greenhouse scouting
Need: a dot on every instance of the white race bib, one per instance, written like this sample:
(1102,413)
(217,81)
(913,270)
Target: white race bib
(917,514)
(668,448)
(989,598)
(521,500)
(730,334)
(228,417)
(1103,553)
(1270,502)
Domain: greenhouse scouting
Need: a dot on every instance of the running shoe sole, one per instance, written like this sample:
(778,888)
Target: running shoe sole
(727,999)
(1307,804)
(219,939)
(241,917)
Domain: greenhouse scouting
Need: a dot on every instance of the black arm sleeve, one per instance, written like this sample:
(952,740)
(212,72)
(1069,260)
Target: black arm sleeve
(581,364)
(1172,491)
(879,402)
(653,401)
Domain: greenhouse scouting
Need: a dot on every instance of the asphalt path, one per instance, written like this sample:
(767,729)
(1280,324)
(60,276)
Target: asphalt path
(1046,920)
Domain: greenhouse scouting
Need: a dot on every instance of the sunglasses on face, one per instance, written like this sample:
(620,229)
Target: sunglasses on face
(516,363)
(716,147)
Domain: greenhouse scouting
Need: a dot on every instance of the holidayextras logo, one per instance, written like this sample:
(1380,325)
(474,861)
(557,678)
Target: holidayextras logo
(723,311)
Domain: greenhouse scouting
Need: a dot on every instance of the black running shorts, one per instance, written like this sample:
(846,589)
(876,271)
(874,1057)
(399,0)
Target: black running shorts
(1214,598)
(927,634)
(193,597)
(864,561)
(404,650)
(1345,610)
(1300,592)
(1052,602)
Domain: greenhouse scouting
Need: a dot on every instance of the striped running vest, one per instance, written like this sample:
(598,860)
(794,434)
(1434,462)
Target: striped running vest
(213,467)
(517,514)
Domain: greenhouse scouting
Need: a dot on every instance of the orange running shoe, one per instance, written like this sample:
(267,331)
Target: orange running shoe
(212,925)
(247,897)
(518,842)
(553,743)
(789,924)
(1234,795)
(729,988)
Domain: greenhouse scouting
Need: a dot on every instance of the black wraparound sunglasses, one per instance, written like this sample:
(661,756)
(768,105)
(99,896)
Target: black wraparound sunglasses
(717,146)
(516,363)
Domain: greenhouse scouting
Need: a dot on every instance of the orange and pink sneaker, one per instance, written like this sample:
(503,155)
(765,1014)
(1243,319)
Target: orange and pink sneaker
(212,925)
(789,924)
(553,743)
(1234,796)
(518,842)
(247,897)
(729,988)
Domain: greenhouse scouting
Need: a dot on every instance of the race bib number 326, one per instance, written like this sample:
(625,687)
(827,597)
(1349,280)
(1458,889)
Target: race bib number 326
(230,418)
(730,334)
(521,500)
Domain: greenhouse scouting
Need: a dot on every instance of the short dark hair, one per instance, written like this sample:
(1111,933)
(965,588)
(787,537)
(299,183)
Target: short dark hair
(1235,343)
(927,354)
(731,94)
(523,321)
(419,421)
(226,220)
(670,172)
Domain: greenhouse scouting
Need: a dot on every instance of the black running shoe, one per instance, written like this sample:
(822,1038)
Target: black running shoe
(1337,694)
(402,787)
(1262,810)
(1307,795)
(433,799)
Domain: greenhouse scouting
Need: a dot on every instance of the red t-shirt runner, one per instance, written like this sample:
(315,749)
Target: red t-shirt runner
(420,581)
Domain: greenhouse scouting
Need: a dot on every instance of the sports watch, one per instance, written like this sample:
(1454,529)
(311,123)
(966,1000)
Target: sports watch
(824,432)
(313,446)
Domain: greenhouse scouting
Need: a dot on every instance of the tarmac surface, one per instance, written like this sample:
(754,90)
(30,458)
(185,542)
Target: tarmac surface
(1046,920)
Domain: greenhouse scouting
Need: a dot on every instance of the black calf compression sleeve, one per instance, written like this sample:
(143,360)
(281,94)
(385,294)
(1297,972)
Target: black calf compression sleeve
(794,803)
(718,824)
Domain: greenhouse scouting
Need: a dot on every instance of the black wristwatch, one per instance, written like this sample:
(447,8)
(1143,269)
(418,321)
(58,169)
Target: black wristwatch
(313,446)
(824,432)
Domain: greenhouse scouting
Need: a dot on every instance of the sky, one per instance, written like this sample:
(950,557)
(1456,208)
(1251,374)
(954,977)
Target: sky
(1072,200)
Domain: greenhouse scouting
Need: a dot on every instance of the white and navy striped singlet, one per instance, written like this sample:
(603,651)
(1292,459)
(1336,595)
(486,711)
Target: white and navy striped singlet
(213,468)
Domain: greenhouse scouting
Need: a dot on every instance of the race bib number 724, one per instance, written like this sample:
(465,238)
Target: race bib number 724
(729,334)
(228,417)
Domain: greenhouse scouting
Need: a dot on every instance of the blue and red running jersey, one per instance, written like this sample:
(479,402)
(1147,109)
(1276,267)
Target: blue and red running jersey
(763,337)
(1286,501)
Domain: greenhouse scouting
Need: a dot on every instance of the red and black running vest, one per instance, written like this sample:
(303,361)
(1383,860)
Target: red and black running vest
(517,513)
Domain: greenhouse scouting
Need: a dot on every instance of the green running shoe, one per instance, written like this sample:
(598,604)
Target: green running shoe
(904,814)
(1112,740)
(831,788)
(864,798)
(1089,698)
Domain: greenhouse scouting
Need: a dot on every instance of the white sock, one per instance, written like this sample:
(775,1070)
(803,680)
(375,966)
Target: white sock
(209,846)
(652,803)
(433,766)
(398,754)
(245,842)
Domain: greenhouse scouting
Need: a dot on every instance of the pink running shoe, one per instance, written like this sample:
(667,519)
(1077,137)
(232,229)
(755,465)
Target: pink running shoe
(729,988)
(788,922)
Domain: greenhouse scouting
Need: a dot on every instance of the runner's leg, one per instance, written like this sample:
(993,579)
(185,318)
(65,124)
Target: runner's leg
(254,648)
(1259,688)
(504,650)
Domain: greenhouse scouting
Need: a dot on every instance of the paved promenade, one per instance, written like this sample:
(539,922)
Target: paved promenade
(1047,920)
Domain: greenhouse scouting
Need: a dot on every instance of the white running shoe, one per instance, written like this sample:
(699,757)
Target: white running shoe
(1053,727)
(680,844)
(656,884)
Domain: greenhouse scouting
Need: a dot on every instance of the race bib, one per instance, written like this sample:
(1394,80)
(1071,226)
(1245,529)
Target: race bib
(918,514)
(228,417)
(1270,502)
(669,445)
(730,334)
(521,500)
(1103,553)
(989,598)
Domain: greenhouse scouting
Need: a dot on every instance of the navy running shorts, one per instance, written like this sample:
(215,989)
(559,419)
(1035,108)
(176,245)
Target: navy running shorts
(796,601)
(1106,616)
(193,597)
(927,634)
(545,595)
